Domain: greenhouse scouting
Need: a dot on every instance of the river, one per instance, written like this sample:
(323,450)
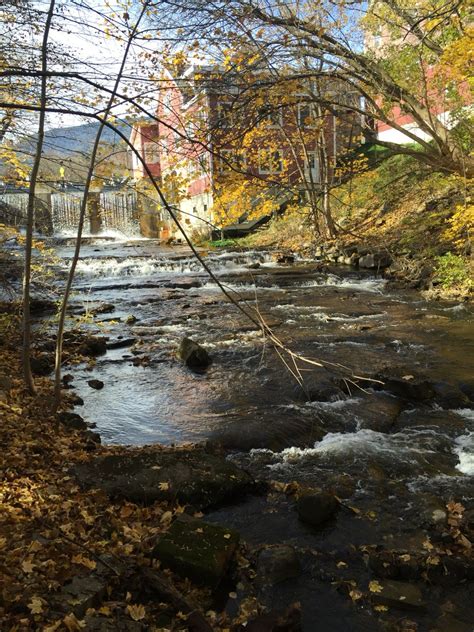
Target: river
(395,456)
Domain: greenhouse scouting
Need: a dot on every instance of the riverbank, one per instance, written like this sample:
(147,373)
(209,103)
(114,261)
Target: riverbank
(414,227)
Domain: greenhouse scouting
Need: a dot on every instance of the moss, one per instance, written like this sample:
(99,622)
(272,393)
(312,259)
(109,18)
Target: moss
(197,550)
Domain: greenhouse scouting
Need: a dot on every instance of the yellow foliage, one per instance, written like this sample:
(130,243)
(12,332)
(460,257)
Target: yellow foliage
(237,196)
(461,224)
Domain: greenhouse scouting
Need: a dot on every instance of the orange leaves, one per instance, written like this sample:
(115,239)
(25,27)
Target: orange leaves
(84,561)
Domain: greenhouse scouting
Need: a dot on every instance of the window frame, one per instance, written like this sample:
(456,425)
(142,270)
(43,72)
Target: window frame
(311,115)
(269,162)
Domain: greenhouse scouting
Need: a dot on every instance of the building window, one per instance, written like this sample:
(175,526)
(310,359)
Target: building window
(270,162)
(272,117)
(225,114)
(311,166)
(236,159)
(306,115)
(151,153)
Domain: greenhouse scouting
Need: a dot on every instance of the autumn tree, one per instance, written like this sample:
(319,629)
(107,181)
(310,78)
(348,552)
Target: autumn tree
(404,59)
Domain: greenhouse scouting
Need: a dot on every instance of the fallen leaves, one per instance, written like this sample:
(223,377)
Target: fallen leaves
(27,566)
(84,561)
(375,587)
(73,624)
(36,605)
(137,612)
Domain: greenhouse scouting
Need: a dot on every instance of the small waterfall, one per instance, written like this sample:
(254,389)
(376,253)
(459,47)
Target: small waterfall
(18,201)
(65,210)
(118,211)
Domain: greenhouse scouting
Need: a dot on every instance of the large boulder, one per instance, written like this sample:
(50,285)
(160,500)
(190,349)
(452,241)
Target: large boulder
(190,477)
(197,550)
(193,355)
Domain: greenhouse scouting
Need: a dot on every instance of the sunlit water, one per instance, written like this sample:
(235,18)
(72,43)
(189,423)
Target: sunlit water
(247,399)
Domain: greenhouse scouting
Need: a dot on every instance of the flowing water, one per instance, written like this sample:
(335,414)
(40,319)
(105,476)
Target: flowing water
(397,458)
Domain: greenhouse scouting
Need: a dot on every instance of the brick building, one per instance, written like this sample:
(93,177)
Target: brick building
(213,130)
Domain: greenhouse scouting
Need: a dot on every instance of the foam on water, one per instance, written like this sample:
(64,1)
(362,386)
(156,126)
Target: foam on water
(363,285)
(464,449)
(401,447)
(146,266)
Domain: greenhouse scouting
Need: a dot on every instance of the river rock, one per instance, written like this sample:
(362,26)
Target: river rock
(42,364)
(84,592)
(375,261)
(197,550)
(398,565)
(407,386)
(378,412)
(190,477)
(183,284)
(72,420)
(403,595)
(193,355)
(40,306)
(277,563)
(93,346)
(121,343)
(449,395)
(96,384)
(317,508)
(104,308)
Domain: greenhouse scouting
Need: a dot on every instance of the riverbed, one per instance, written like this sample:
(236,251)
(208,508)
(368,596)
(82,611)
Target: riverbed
(381,413)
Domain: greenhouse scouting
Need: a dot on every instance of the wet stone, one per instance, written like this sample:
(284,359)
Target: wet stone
(121,343)
(93,346)
(42,364)
(96,384)
(277,563)
(183,284)
(104,308)
(316,509)
(197,550)
(72,420)
(195,477)
(278,620)
(395,594)
(193,355)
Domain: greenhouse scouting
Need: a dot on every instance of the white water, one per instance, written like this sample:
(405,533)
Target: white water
(464,445)
(141,266)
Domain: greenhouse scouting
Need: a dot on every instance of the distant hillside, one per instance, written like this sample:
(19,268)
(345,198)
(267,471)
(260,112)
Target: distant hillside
(69,148)
(65,141)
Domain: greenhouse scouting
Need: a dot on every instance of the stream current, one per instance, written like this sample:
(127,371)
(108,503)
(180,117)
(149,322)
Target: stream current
(393,456)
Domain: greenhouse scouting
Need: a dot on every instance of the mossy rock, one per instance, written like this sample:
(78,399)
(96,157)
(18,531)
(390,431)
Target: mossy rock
(191,477)
(197,550)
